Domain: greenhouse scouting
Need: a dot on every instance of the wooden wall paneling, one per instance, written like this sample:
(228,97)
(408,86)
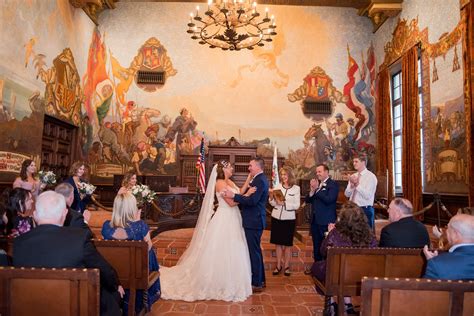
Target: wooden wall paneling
(59,146)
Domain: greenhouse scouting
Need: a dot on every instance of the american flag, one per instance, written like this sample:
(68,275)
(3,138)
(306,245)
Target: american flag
(201,166)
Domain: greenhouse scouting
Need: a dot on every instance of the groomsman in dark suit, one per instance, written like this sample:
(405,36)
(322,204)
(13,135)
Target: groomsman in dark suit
(458,262)
(322,196)
(253,219)
(50,245)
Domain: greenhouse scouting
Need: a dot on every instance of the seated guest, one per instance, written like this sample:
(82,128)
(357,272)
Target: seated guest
(52,246)
(19,212)
(73,218)
(351,230)
(403,231)
(27,179)
(81,200)
(440,233)
(126,225)
(128,182)
(458,262)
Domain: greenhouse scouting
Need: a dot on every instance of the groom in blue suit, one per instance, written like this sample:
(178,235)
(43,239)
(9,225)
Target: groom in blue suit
(253,219)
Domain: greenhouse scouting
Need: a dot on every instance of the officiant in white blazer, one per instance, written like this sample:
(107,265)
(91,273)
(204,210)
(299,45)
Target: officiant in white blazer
(285,199)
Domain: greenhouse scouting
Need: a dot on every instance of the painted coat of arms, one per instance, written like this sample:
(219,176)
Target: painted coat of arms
(152,56)
(317,86)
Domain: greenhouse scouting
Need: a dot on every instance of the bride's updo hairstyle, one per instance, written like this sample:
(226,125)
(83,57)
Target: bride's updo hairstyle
(220,169)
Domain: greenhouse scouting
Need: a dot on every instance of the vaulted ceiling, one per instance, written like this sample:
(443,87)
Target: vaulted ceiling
(377,10)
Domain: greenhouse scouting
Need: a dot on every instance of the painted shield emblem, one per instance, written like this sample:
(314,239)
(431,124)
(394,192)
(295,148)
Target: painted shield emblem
(317,86)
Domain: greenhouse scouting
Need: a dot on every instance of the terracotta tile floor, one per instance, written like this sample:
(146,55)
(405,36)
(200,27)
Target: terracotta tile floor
(294,295)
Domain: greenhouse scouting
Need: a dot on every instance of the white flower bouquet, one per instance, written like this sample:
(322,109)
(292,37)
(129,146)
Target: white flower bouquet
(143,194)
(47,177)
(86,188)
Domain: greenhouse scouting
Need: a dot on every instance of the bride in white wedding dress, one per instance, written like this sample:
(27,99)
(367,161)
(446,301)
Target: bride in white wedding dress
(216,265)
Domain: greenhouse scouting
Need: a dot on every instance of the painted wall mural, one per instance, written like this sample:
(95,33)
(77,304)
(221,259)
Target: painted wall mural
(255,96)
(219,95)
(39,74)
(63,92)
(21,119)
(443,106)
(119,131)
(439,30)
(336,140)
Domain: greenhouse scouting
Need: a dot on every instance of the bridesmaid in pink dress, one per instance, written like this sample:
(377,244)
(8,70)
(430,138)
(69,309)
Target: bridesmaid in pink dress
(27,179)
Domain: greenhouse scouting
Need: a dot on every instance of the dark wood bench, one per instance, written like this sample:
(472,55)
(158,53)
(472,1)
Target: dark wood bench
(130,261)
(345,268)
(41,291)
(423,297)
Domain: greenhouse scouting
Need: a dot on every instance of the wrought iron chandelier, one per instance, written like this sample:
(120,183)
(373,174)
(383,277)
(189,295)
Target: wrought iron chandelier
(231,25)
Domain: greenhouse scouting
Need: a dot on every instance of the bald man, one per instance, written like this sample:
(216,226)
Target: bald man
(50,245)
(403,231)
(458,263)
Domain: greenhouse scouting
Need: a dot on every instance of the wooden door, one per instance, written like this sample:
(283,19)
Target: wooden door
(58,144)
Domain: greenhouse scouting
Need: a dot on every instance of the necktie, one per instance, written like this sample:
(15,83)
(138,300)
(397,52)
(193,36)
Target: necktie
(320,186)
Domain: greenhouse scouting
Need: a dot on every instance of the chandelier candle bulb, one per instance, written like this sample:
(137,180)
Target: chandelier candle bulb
(266,13)
(197,11)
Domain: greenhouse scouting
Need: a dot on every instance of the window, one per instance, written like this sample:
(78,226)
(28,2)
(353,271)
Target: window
(397,123)
(397,129)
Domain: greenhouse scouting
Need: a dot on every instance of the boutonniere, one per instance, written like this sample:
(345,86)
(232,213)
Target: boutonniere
(323,185)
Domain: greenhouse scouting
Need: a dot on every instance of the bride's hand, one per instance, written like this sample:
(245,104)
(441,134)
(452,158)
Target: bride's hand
(249,178)
(250,191)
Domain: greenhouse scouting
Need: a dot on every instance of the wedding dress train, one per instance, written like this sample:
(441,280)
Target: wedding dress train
(216,265)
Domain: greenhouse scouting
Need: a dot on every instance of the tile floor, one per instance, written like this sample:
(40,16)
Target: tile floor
(294,295)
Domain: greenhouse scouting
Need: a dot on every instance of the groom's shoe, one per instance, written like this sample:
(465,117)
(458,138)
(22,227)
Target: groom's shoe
(257,289)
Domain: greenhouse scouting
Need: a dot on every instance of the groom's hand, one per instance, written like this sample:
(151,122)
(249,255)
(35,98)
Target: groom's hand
(250,191)
(228,194)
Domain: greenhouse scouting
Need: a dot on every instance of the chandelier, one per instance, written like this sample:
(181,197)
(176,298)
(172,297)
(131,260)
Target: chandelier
(231,25)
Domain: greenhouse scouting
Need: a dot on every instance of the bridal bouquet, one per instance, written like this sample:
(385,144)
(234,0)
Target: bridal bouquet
(47,177)
(143,194)
(86,188)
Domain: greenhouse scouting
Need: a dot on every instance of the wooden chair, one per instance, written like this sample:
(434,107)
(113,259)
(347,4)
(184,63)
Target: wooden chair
(423,297)
(130,261)
(345,268)
(41,291)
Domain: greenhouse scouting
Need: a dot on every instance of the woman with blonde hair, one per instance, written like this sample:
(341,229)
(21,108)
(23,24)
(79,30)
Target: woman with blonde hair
(127,225)
(284,218)
(128,182)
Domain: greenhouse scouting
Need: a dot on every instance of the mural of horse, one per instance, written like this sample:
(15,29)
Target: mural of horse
(320,142)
